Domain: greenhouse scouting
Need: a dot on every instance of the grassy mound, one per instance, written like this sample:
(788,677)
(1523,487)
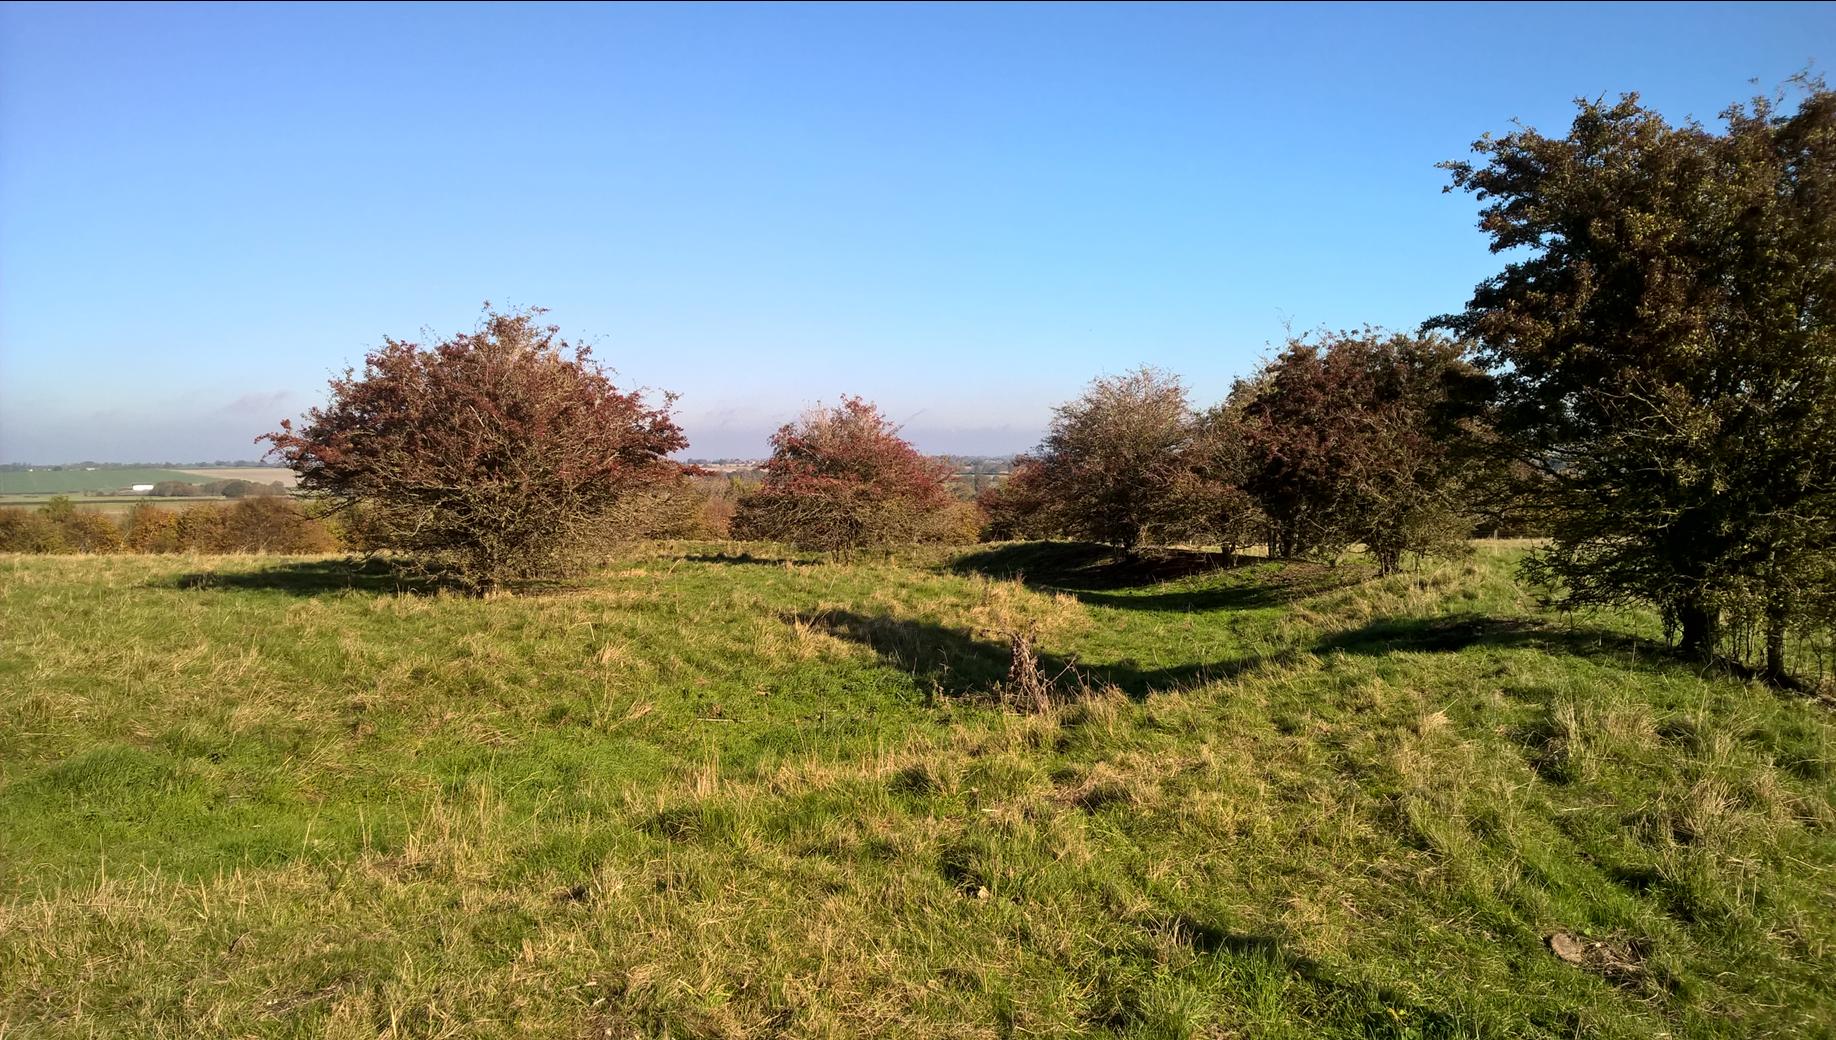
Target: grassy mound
(715,794)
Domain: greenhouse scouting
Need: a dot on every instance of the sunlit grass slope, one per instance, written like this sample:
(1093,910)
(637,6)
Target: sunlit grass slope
(709,794)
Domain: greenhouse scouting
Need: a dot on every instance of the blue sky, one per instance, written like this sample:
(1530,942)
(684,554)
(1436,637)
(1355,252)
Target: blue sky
(964,213)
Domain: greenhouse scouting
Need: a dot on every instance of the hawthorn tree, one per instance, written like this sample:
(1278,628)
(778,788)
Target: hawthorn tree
(1209,502)
(1352,439)
(498,455)
(1113,459)
(1662,353)
(842,479)
(1018,507)
(1292,413)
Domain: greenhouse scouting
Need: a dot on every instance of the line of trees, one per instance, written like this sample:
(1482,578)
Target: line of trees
(1650,381)
(235,488)
(1342,439)
(260,524)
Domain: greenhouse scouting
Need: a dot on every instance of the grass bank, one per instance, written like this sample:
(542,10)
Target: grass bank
(712,793)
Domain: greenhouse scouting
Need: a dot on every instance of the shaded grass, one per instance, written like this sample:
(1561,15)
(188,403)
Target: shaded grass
(697,799)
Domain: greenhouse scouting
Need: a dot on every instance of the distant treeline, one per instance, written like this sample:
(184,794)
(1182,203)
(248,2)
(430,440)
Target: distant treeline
(264,523)
(216,489)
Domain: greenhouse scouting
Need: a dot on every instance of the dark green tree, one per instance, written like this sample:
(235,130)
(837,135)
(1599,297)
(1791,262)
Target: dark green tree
(1662,355)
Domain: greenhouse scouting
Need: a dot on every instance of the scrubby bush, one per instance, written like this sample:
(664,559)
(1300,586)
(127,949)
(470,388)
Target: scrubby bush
(1018,507)
(151,529)
(90,532)
(271,525)
(28,531)
(961,522)
(669,509)
(81,530)
(724,494)
(1207,503)
(1350,442)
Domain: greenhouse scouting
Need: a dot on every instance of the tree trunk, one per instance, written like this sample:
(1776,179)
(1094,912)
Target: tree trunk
(1701,629)
(1776,616)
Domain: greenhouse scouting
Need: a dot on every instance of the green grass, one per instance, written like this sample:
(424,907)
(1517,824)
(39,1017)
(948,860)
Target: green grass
(78,480)
(713,794)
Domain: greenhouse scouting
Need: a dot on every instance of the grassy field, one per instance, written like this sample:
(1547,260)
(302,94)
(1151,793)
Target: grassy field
(77,481)
(253,474)
(712,794)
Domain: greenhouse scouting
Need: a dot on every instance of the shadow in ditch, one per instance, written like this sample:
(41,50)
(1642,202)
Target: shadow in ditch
(1101,576)
(959,664)
(310,578)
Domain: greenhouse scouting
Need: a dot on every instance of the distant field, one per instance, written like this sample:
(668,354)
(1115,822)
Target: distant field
(256,474)
(107,503)
(76,481)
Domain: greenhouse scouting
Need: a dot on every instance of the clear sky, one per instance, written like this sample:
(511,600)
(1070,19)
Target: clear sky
(964,213)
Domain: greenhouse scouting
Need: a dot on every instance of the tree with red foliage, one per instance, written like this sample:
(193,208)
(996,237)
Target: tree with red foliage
(1351,441)
(842,479)
(500,455)
(1021,505)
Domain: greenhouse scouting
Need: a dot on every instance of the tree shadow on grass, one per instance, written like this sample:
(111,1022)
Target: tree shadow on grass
(1100,576)
(1451,634)
(1369,1009)
(958,664)
(1276,590)
(745,558)
(1083,566)
(311,578)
